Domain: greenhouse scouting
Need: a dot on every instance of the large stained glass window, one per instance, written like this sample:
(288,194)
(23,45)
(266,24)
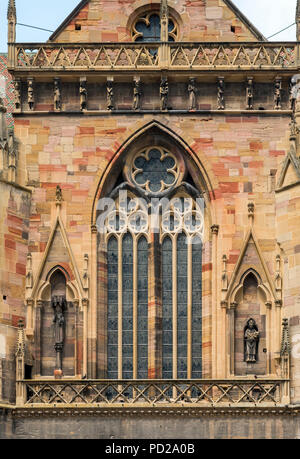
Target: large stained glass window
(177,284)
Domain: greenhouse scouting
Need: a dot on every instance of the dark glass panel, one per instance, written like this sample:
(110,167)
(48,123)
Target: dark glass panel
(197,311)
(167,310)
(112,308)
(127,306)
(142,308)
(182,286)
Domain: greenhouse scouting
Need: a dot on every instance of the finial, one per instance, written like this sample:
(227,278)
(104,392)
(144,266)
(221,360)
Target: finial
(164,20)
(58,195)
(11,10)
(251,209)
(298,19)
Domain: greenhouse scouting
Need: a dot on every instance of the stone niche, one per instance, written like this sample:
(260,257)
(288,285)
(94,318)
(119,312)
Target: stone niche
(250,306)
(47,330)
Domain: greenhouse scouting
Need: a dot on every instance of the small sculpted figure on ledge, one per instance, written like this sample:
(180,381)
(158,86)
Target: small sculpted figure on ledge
(83,96)
(110,95)
(192,94)
(137,93)
(251,340)
(164,92)
(221,94)
(249,94)
(277,94)
(57,96)
(30,94)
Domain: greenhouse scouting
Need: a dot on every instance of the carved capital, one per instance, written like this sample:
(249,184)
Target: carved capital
(215,229)
(224,304)
(268,304)
(29,302)
(233,305)
(39,304)
(85,302)
(278,303)
(94,229)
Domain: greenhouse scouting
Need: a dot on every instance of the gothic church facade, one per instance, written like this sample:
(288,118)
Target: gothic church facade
(150,227)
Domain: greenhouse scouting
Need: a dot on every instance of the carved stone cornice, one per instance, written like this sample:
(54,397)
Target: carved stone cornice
(142,412)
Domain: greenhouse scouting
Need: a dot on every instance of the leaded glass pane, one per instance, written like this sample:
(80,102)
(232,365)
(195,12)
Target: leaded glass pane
(112,309)
(197,311)
(182,292)
(142,338)
(127,309)
(167,308)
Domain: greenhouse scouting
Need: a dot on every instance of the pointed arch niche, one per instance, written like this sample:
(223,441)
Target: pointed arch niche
(57,284)
(251,299)
(153,295)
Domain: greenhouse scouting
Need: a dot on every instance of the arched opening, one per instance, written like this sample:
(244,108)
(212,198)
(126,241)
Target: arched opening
(56,333)
(250,352)
(153,235)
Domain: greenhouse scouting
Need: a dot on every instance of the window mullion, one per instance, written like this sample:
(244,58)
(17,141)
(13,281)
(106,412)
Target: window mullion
(174,288)
(134,305)
(189,310)
(120,308)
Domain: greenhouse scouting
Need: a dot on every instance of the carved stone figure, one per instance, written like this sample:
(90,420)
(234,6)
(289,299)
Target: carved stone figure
(83,95)
(59,306)
(17,92)
(137,93)
(293,93)
(164,92)
(221,92)
(110,95)
(192,94)
(249,94)
(30,94)
(277,94)
(251,340)
(57,95)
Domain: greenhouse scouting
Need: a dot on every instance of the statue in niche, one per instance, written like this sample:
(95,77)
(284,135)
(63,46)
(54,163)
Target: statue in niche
(17,86)
(137,93)
(59,306)
(110,95)
(83,95)
(251,340)
(192,94)
(277,94)
(30,94)
(249,94)
(221,92)
(164,92)
(57,95)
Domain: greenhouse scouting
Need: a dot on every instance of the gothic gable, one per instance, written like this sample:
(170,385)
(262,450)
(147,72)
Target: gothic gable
(107,21)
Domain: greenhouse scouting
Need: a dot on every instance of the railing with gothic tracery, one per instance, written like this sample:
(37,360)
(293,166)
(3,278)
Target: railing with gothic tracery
(151,393)
(154,56)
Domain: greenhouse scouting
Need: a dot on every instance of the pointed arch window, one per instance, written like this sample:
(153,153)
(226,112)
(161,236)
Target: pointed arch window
(153,234)
(147,28)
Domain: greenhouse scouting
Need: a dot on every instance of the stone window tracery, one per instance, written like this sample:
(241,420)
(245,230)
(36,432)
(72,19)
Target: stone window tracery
(141,260)
(146,28)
